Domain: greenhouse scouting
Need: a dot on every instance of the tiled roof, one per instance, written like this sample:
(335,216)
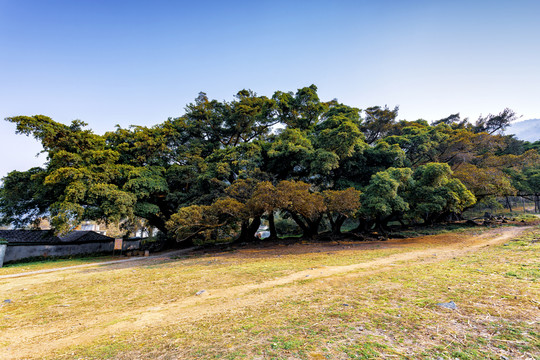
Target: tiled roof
(85,236)
(29,236)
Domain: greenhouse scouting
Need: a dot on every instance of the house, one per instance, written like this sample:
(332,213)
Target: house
(24,244)
(92,226)
(85,236)
(25,237)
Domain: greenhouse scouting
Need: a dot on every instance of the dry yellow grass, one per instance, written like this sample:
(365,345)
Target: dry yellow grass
(349,300)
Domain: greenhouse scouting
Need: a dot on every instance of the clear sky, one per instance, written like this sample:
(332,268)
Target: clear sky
(140,62)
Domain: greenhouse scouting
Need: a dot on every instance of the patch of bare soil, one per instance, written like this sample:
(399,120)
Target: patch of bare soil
(35,342)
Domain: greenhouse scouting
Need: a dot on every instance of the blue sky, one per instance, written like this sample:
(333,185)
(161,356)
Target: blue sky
(140,62)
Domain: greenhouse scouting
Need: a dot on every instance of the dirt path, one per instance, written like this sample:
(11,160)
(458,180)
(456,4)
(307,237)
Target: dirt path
(153,257)
(33,343)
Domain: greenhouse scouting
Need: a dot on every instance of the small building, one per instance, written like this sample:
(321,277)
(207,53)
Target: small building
(24,244)
(84,237)
(88,226)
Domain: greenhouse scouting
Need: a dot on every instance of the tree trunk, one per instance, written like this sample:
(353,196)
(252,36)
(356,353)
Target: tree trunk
(337,223)
(300,223)
(508,204)
(383,224)
(310,228)
(272,225)
(313,226)
(380,227)
(430,219)
(362,226)
(171,242)
(457,216)
(331,220)
(248,231)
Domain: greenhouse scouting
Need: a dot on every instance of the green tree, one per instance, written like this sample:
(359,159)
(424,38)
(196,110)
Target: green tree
(495,123)
(301,110)
(82,179)
(527,182)
(435,195)
(378,122)
(383,199)
(212,173)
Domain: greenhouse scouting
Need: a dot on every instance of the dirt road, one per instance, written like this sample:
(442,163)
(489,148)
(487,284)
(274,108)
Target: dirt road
(74,267)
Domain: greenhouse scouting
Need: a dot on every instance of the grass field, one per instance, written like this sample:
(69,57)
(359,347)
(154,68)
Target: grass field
(52,263)
(349,300)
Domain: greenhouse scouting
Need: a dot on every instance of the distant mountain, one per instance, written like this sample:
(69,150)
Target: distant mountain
(528,130)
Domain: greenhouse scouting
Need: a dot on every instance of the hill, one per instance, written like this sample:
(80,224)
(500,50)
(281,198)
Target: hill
(528,130)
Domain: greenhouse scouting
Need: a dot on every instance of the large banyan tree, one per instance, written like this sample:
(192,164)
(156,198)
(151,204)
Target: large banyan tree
(216,171)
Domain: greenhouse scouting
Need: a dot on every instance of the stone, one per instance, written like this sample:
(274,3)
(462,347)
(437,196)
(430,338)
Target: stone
(449,305)
(200,292)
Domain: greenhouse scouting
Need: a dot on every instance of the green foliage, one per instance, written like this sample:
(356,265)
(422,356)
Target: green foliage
(435,193)
(378,122)
(219,167)
(338,134)
(419,141)
(384,194)
(24,197)
(527,181)
(289,155)
(357,170)
(55,137)
(301,110)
